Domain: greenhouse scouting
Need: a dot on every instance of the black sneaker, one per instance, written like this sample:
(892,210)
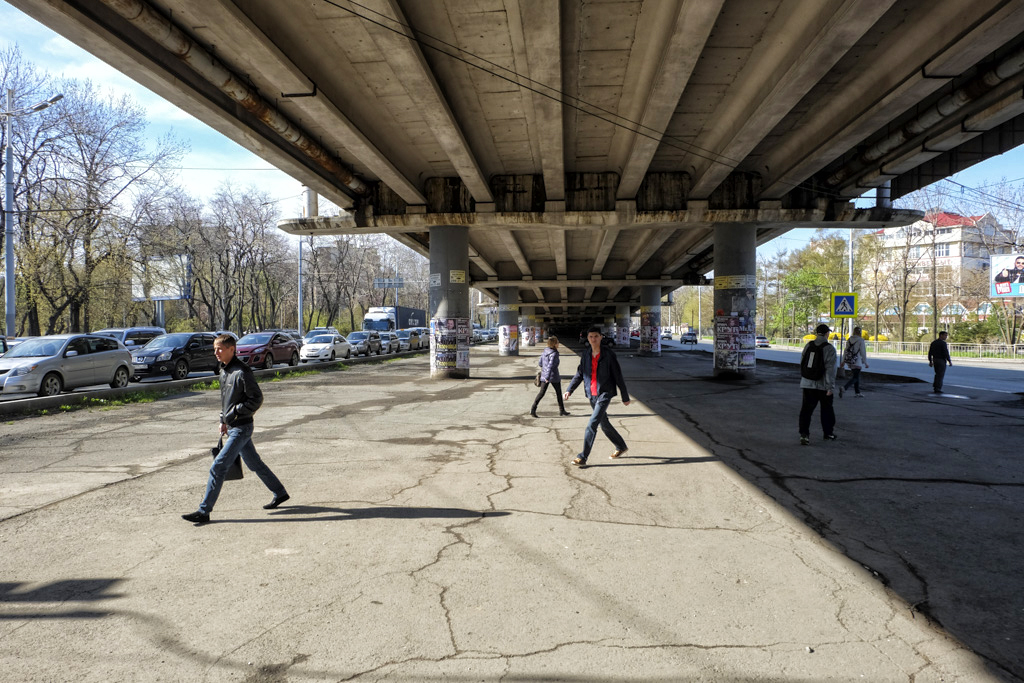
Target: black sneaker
(277,501)
(830,437)
(805,441)
(197,517)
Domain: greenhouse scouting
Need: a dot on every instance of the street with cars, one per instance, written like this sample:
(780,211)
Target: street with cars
(52,364)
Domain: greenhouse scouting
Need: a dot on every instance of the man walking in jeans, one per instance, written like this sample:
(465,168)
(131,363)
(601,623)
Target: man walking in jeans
(817,384)
(601,377)
(240,398)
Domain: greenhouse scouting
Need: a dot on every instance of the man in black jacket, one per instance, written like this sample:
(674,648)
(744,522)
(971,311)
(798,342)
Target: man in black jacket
(938,357)
(240,398)
(601,377)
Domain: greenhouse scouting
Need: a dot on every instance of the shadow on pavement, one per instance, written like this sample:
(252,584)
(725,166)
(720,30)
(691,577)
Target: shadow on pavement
(928,495)
(315,513)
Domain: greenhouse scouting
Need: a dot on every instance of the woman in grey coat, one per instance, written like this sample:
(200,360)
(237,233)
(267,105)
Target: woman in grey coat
(549,375)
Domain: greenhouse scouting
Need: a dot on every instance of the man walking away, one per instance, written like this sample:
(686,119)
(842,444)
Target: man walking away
(602,378)
(855,357)
(818,380)
(938,357)
(240,398)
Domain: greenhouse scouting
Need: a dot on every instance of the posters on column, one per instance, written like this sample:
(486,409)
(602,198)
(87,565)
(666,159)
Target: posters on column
(449,343)
(734,341)
(508,339)
(650,329)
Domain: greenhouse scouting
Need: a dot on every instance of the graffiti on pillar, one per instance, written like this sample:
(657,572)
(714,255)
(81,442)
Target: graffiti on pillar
(508,339)
(449,343)
(734,340)
(650,330)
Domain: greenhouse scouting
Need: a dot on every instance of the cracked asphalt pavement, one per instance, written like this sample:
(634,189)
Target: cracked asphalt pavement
(438,532)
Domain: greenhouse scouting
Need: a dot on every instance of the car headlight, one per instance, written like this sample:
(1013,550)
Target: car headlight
(166,355)
(261,350)
(23,370)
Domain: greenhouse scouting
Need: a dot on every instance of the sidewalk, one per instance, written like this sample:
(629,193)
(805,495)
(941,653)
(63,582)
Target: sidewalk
(437,532)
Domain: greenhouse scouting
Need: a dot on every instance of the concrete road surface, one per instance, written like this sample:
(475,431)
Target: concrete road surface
(437,532)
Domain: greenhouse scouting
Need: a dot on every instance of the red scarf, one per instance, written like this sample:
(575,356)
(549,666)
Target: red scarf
(593,373)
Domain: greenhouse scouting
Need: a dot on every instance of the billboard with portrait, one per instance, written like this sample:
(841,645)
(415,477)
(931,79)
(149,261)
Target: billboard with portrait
(1006,275)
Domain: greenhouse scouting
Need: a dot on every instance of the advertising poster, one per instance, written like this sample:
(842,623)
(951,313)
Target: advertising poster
(650,330)
(1007,275)
(622,333)
(449,343)
(508,339)
(734,342)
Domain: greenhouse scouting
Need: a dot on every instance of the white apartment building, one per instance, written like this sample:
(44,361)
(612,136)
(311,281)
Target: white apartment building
(960,247)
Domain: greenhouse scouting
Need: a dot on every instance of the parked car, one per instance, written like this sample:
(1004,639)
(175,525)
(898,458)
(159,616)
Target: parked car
(318,331)
(263,349)
(176,354)
(49,365)
(688,338)
(761,342)
(325,347)
(132,336)
(666,334)
(364,342)
(409,340)
(389,342)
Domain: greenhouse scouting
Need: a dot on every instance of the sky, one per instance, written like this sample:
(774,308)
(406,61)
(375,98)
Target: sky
(214,159)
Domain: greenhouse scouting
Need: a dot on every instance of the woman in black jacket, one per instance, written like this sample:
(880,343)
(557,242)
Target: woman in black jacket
(601,377)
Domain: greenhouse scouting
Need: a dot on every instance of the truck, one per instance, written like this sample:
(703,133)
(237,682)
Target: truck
(389,318)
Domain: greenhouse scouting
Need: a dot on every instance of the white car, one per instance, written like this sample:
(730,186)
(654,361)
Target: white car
(325,347)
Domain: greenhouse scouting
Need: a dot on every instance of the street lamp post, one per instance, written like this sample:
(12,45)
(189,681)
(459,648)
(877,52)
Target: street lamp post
(9,289)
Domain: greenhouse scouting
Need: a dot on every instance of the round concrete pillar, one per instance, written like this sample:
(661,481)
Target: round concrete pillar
(650,320)
(450,331)
(508,321)
(622,326)
(735,299)
(531,327)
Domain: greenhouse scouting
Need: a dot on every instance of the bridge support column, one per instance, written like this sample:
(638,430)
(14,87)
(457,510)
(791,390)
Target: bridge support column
(735,311)
(450,331)
(622,326)
(508,321)
(530,321)
(650,321)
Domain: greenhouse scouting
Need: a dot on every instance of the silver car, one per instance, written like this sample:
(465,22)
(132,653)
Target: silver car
(49,365)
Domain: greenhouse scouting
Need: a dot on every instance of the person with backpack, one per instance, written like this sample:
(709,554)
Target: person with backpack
(818,381)
(855,357)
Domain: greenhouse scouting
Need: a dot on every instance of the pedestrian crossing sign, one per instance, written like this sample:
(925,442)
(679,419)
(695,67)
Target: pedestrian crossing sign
(844,305)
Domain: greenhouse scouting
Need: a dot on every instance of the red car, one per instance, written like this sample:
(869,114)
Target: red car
(263,349)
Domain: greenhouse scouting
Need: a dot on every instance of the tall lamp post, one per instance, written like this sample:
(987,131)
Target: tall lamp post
(9,115)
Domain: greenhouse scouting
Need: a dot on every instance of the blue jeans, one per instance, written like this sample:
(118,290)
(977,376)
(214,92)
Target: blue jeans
(238,442)
(600,417)
(854,380)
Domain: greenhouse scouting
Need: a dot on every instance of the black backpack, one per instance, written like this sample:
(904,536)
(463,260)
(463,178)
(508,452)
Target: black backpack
(812,361)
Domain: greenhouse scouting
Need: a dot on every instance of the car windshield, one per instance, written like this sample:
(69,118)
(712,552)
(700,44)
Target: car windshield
(403,334)
(322,339)
(112,332)
(167,340)
(358,336)
(250,339)
(36,348)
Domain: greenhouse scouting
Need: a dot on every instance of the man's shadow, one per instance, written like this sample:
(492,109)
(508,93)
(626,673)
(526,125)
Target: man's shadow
(317,513)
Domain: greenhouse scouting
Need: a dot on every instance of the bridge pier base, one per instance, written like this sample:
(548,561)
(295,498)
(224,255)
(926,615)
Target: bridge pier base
(622,326)
(650,321)
(508,321)
(735,314)
(450,327)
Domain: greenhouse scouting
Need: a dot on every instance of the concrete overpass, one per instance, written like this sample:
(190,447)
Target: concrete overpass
(576,159)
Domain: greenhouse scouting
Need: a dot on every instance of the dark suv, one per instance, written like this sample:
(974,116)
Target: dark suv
(176,355)
(132,336)
(366,341)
